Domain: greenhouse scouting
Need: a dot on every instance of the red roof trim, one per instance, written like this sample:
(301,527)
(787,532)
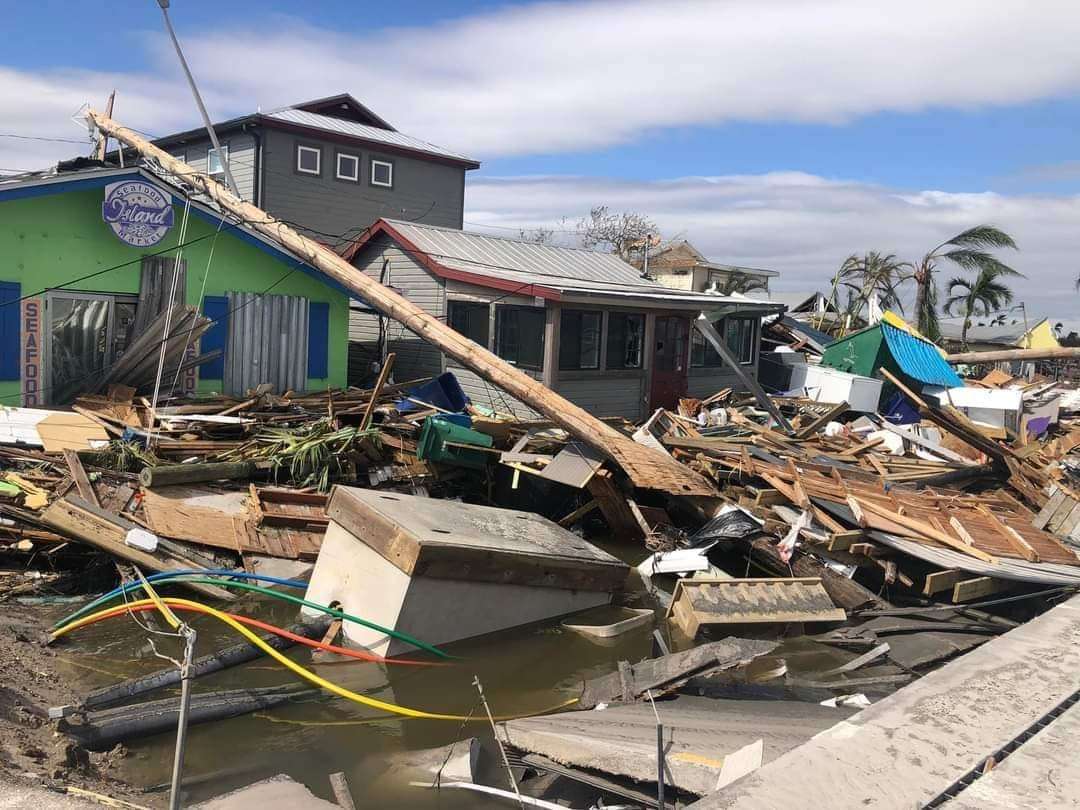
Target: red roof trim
(442,271)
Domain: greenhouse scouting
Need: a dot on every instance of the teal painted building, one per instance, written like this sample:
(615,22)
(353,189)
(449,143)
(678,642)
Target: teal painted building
(77,247)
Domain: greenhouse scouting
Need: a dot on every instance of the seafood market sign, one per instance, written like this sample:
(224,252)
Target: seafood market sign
(139,213)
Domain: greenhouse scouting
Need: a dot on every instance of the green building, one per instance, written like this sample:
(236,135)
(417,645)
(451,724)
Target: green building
(87,257)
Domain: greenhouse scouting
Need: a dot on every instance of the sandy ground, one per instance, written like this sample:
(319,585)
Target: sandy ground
(32,753)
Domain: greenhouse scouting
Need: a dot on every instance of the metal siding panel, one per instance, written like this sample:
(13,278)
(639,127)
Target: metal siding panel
(267,342)
(10,328)
(919,359)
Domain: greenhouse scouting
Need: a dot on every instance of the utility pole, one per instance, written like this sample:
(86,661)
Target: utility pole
(198,99)
(103,139)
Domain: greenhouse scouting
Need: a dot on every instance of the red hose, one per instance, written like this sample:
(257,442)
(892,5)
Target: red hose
(362,655)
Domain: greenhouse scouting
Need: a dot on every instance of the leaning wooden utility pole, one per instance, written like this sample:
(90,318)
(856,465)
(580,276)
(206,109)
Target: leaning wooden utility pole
(647,467)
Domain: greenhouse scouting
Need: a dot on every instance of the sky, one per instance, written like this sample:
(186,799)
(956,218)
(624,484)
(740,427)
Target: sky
(784,134)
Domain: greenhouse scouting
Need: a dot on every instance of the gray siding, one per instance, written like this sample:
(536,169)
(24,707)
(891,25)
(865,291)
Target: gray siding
(415,357)
(424,191)
(610,394)
(704,382)
(241,159)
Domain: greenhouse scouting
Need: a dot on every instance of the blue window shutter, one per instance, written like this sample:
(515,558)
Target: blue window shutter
(318,340)
(10,319)
(215,307)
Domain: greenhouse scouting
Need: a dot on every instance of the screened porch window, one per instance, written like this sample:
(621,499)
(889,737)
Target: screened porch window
(519,336)
(469,319)
(626,336)
(739,335)
(579,339)
(87,333)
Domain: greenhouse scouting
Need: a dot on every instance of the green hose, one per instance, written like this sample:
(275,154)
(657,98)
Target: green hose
(246,586)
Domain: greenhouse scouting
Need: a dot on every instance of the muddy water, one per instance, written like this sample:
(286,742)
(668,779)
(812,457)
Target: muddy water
(522,671)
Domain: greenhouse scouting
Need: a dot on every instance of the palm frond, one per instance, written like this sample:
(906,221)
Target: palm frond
(980,260)
(982,236)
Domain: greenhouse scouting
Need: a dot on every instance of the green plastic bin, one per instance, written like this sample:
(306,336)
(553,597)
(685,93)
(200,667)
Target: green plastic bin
(437,432)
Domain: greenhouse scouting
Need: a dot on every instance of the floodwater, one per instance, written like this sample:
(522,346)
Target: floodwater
(527,670)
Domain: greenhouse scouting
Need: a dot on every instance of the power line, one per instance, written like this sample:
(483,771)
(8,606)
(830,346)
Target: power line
(42,138)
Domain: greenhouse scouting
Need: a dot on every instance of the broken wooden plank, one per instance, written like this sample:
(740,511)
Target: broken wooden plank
(79,476)
(941,581)
(976,588)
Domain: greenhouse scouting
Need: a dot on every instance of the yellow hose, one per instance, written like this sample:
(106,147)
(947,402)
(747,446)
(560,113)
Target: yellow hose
(304,673)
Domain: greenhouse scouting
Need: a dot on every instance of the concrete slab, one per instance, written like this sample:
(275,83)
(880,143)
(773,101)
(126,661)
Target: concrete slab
(276,793)
(1041,773)
(702,732)
(909,747)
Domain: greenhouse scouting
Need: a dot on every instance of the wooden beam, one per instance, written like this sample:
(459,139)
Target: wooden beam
(647,467)
(710,334)
(1010,535)
(579,513)
(78,475)
(976,588)
(384,373)
(925,530)
(940,581)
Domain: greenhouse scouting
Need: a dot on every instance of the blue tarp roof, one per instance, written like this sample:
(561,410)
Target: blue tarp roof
(919,359)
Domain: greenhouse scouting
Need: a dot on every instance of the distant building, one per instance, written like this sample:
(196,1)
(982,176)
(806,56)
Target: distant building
(584,323)
(682,267)
(1003,336)
(332,167)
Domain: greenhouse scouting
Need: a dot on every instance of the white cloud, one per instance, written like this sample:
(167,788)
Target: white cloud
(804,226)
(551,77)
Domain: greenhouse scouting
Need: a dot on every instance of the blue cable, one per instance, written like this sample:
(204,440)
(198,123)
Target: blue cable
(216,572)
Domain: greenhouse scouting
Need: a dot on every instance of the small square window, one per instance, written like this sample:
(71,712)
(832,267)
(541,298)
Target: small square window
(213,160)
(308,159)
(382,173)
(470,320)
(348,167)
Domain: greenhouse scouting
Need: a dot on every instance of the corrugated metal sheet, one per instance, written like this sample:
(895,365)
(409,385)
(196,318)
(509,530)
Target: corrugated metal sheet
(572,270)
(368,133)
(1006,335)
(919,359)
(268,342)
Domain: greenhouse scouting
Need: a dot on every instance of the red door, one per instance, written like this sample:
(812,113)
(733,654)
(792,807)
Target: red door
(669,362)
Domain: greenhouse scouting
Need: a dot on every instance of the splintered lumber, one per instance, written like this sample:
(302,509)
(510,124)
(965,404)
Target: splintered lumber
(82,521)
(660,675)
(924,530)
(847,593)
(613,505)
(78,475)
(647,467)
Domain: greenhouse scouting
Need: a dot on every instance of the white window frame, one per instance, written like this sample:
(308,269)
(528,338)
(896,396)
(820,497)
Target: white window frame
(337,167)
(318,159)
(221,163)
(390,166)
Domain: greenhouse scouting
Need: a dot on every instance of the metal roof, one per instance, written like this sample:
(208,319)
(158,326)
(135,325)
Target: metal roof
(919,359)
(574,271)
(1005,334)
(353,129)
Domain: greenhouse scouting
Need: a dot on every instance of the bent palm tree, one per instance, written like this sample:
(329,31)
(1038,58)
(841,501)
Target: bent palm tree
(872,273)
(980,297)
(742,283)
(968,249)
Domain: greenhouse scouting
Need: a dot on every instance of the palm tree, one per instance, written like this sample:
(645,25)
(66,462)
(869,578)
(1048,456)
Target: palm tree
(968,249)
(736,282)
(872,273)
(985,295)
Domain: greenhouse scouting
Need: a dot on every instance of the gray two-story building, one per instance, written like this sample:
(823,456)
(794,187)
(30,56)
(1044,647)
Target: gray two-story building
(332,167)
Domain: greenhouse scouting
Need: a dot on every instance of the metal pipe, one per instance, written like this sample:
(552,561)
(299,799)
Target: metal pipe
(198,99)
(182,724)
(660,766)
